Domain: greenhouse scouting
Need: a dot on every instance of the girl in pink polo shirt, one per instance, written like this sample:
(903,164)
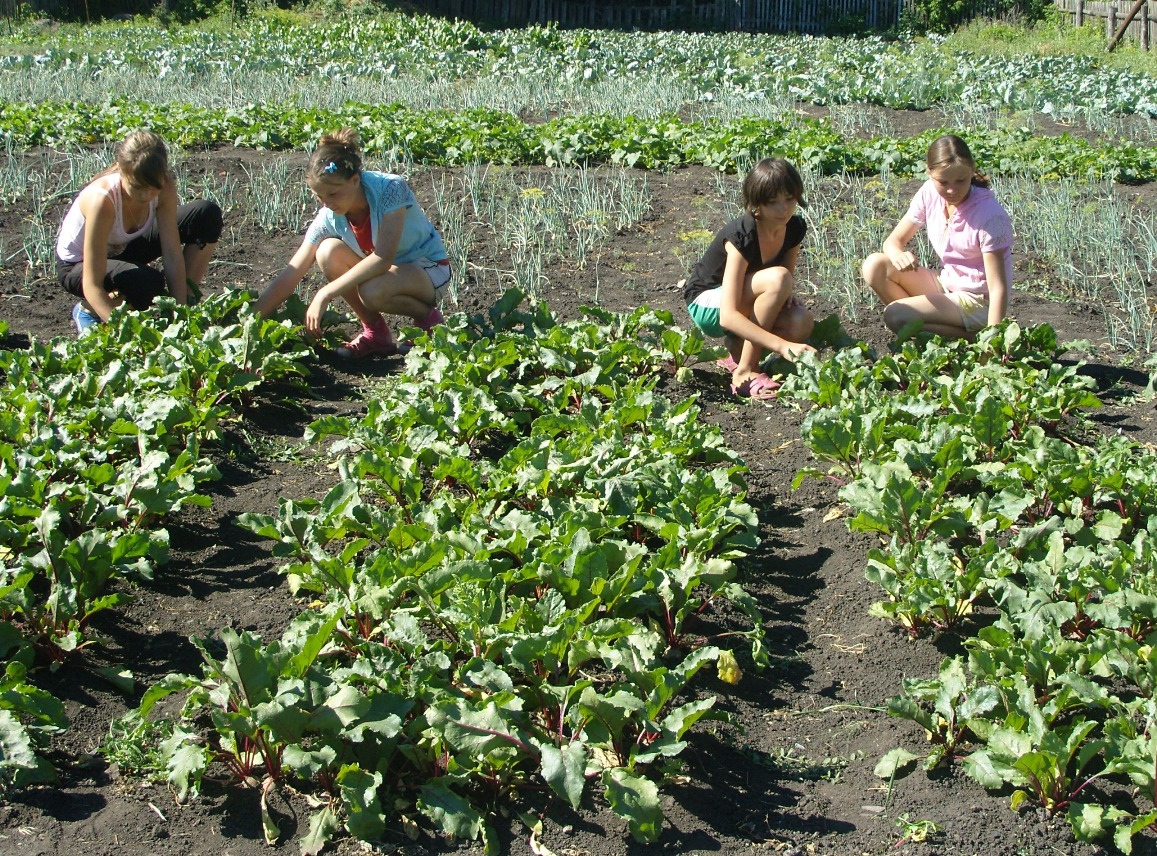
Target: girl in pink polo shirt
(972,235)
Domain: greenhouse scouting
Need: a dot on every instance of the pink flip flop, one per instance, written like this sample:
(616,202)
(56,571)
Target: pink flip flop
(757,387)
(727,363)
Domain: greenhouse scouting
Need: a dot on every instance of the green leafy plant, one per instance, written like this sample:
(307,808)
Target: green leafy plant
(544,547)
(28,718)
(100,441)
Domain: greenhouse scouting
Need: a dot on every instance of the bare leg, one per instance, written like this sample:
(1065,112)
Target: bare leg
(891,285)
(939,314)
(734,347)
(403,290)
(912,295)
(367,316)
(795,322)
(197,260)
(765,295)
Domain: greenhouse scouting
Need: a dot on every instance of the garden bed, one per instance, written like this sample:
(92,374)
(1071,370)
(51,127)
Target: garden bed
(792,771)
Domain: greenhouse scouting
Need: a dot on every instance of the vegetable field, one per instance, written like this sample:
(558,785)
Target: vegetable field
(544,586)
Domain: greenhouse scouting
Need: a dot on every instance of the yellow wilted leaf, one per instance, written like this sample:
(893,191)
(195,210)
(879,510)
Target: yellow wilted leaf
(729,671)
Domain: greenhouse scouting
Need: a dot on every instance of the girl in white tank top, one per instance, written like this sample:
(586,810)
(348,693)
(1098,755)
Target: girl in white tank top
(123,220)
(70,241)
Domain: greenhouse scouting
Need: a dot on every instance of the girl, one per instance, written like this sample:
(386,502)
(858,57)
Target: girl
(971,233)
(124,219)
(372,243)
(742,287)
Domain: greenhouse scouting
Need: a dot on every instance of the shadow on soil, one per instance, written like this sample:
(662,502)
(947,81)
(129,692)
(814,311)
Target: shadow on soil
(755,799)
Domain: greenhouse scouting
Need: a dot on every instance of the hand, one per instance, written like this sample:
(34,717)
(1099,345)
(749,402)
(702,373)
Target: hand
(903,260)
(791,350)
(315,314)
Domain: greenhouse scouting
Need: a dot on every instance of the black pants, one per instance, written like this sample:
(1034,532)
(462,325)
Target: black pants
(129,272)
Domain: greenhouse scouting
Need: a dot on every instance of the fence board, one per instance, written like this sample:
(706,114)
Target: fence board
(807,16)
(1112,12)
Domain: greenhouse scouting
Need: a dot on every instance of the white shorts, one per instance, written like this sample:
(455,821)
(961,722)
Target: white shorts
(438,272)
(973,308)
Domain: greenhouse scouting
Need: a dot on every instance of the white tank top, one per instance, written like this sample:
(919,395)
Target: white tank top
(70,240)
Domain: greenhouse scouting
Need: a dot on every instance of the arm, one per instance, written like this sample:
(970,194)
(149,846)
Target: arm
(99,215)
(895,245)
(994,272)
(732,319)
(380,261)
(278,289)
(172,253)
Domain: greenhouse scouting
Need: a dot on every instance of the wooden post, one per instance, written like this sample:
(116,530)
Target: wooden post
(1125,25)
(1080,13)
(1145,27)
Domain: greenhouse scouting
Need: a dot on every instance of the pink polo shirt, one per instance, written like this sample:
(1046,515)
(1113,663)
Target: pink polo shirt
(979,225)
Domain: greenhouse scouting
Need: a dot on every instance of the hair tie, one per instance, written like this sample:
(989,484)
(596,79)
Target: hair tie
(330,168)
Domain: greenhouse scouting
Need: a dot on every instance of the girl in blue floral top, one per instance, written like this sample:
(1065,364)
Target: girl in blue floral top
(374,245)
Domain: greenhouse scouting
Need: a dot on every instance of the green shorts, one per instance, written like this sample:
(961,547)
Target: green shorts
(704,311)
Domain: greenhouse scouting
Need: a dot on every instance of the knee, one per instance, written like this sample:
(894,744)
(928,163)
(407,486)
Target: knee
(214,222)
(795,324)
(773,282)
(896,315)
(330,258)
(804,323)
(875,268)
(207,221)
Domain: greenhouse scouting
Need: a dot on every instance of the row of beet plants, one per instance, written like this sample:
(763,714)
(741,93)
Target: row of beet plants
(1007,519)
(482,135)
(528,556)
(100,440)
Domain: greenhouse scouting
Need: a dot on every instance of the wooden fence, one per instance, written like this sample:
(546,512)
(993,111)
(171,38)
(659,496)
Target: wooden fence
(805,16)
(793,16)
(798,16)
(1144,26)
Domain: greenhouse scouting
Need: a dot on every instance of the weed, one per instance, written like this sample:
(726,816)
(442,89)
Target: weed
(791,764)
(269,447)
(915,831)
(457,232)
(134,745)
(567,219)
(692,244)
(1112,264)
(860,120)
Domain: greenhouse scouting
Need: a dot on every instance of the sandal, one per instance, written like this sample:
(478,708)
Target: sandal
(367,343)
(757,387)
(432,320)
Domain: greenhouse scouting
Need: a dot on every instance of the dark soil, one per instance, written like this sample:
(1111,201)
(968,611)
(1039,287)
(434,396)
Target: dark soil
(792,775)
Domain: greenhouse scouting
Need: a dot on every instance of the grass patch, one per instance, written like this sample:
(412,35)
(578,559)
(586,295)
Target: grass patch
(1051,37)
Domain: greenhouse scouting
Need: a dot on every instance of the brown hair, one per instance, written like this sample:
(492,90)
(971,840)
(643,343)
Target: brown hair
(143,159)
(337,156)
(769,179)
(950,150)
